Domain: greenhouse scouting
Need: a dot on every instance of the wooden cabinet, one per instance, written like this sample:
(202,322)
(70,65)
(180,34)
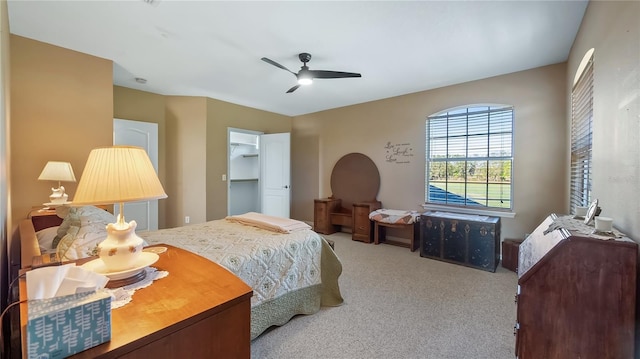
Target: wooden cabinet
(322,209)
(510,254)
(362,229)
(200,310)
(470,240)
(576,294)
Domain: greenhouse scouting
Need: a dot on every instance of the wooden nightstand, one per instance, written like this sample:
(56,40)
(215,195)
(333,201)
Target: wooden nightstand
(44,218)
(200,310)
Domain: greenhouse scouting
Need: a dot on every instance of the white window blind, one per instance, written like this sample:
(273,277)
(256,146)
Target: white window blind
(469,157)
(581,138)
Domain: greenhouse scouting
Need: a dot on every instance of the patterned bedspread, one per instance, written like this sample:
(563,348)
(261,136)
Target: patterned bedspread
(273,264)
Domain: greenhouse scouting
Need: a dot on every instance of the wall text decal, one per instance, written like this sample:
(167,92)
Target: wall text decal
(399,153)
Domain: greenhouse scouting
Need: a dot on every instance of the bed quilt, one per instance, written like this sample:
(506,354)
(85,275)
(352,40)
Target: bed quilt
(273,264)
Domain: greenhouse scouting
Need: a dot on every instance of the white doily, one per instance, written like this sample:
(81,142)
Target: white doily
(569,223)
(123,295)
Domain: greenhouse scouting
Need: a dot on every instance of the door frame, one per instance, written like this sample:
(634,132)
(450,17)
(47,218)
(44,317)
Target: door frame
(227,179)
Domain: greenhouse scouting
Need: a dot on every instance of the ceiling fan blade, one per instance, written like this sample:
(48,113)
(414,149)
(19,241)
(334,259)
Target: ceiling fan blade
(323,74)
(293,88)
(269,61)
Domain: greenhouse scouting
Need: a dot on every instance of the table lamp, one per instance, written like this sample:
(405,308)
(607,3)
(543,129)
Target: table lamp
(118,174)
(61,172)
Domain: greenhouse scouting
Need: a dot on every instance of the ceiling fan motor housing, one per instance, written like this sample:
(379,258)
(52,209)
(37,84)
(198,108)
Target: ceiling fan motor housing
(304,57)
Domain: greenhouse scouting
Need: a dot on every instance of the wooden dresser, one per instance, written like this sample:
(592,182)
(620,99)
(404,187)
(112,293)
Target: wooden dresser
(355,182)
(200,310)
(328,219)
(576,294)
(469,240)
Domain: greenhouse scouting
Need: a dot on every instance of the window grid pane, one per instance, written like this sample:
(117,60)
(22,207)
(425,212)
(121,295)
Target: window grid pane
(469,157)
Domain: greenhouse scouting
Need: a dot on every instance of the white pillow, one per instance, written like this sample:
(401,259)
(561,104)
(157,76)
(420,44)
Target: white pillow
(80,242)
(81,231)
(87,214)
(45,239)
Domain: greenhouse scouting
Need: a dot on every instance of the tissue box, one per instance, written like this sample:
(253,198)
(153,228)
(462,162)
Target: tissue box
(62,326)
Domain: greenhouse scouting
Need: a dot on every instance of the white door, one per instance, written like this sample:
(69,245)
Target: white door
(145,135)
(275,174)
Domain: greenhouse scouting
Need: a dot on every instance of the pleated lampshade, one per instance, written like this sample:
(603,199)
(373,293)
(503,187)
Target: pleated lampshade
(118,174)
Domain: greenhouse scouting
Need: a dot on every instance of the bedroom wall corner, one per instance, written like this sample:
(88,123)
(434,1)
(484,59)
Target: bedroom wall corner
(305,167)
(61,108)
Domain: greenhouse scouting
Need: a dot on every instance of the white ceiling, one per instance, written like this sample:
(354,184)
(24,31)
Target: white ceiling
(213,48)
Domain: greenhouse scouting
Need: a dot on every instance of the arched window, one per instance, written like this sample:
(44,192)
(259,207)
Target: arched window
(469,156)
(581,133)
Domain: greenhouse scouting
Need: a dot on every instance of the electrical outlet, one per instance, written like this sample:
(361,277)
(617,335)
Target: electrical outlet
(187,219)
(224,177)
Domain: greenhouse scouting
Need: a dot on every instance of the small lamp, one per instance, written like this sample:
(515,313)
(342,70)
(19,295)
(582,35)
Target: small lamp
(61,172)
(119,174)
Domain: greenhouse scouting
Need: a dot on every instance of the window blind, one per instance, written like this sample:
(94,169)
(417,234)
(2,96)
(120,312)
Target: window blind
(581,138)
(469,157)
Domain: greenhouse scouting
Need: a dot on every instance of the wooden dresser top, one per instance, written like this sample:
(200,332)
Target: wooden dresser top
(196,288)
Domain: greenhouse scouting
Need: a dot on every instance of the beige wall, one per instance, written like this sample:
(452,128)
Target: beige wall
(537,95)
(612,28)
(61,108)
(186,159)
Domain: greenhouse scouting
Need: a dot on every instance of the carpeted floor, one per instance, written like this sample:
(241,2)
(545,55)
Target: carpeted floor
(400,305)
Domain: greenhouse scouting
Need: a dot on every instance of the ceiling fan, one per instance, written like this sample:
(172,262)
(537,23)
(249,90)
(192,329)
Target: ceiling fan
(306,76)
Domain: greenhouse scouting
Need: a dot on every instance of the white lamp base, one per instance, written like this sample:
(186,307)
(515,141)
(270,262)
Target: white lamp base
(122,247)
(58,196)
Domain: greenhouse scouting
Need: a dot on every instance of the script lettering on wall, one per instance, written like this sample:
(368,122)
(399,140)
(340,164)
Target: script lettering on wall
(399,153)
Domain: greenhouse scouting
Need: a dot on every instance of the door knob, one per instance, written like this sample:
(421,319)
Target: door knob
(286,186)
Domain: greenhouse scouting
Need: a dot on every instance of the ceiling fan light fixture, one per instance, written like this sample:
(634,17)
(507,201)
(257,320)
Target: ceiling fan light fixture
(305,81)
(305,76)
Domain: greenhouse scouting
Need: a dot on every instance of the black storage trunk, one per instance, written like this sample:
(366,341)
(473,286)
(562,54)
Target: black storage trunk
(469,240)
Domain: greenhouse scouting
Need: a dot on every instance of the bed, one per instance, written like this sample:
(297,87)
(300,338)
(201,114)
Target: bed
(290,273)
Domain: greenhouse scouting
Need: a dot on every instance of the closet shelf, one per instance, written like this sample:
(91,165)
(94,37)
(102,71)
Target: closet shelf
(234,143)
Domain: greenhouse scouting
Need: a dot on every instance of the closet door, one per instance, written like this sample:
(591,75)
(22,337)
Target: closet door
(275,174)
